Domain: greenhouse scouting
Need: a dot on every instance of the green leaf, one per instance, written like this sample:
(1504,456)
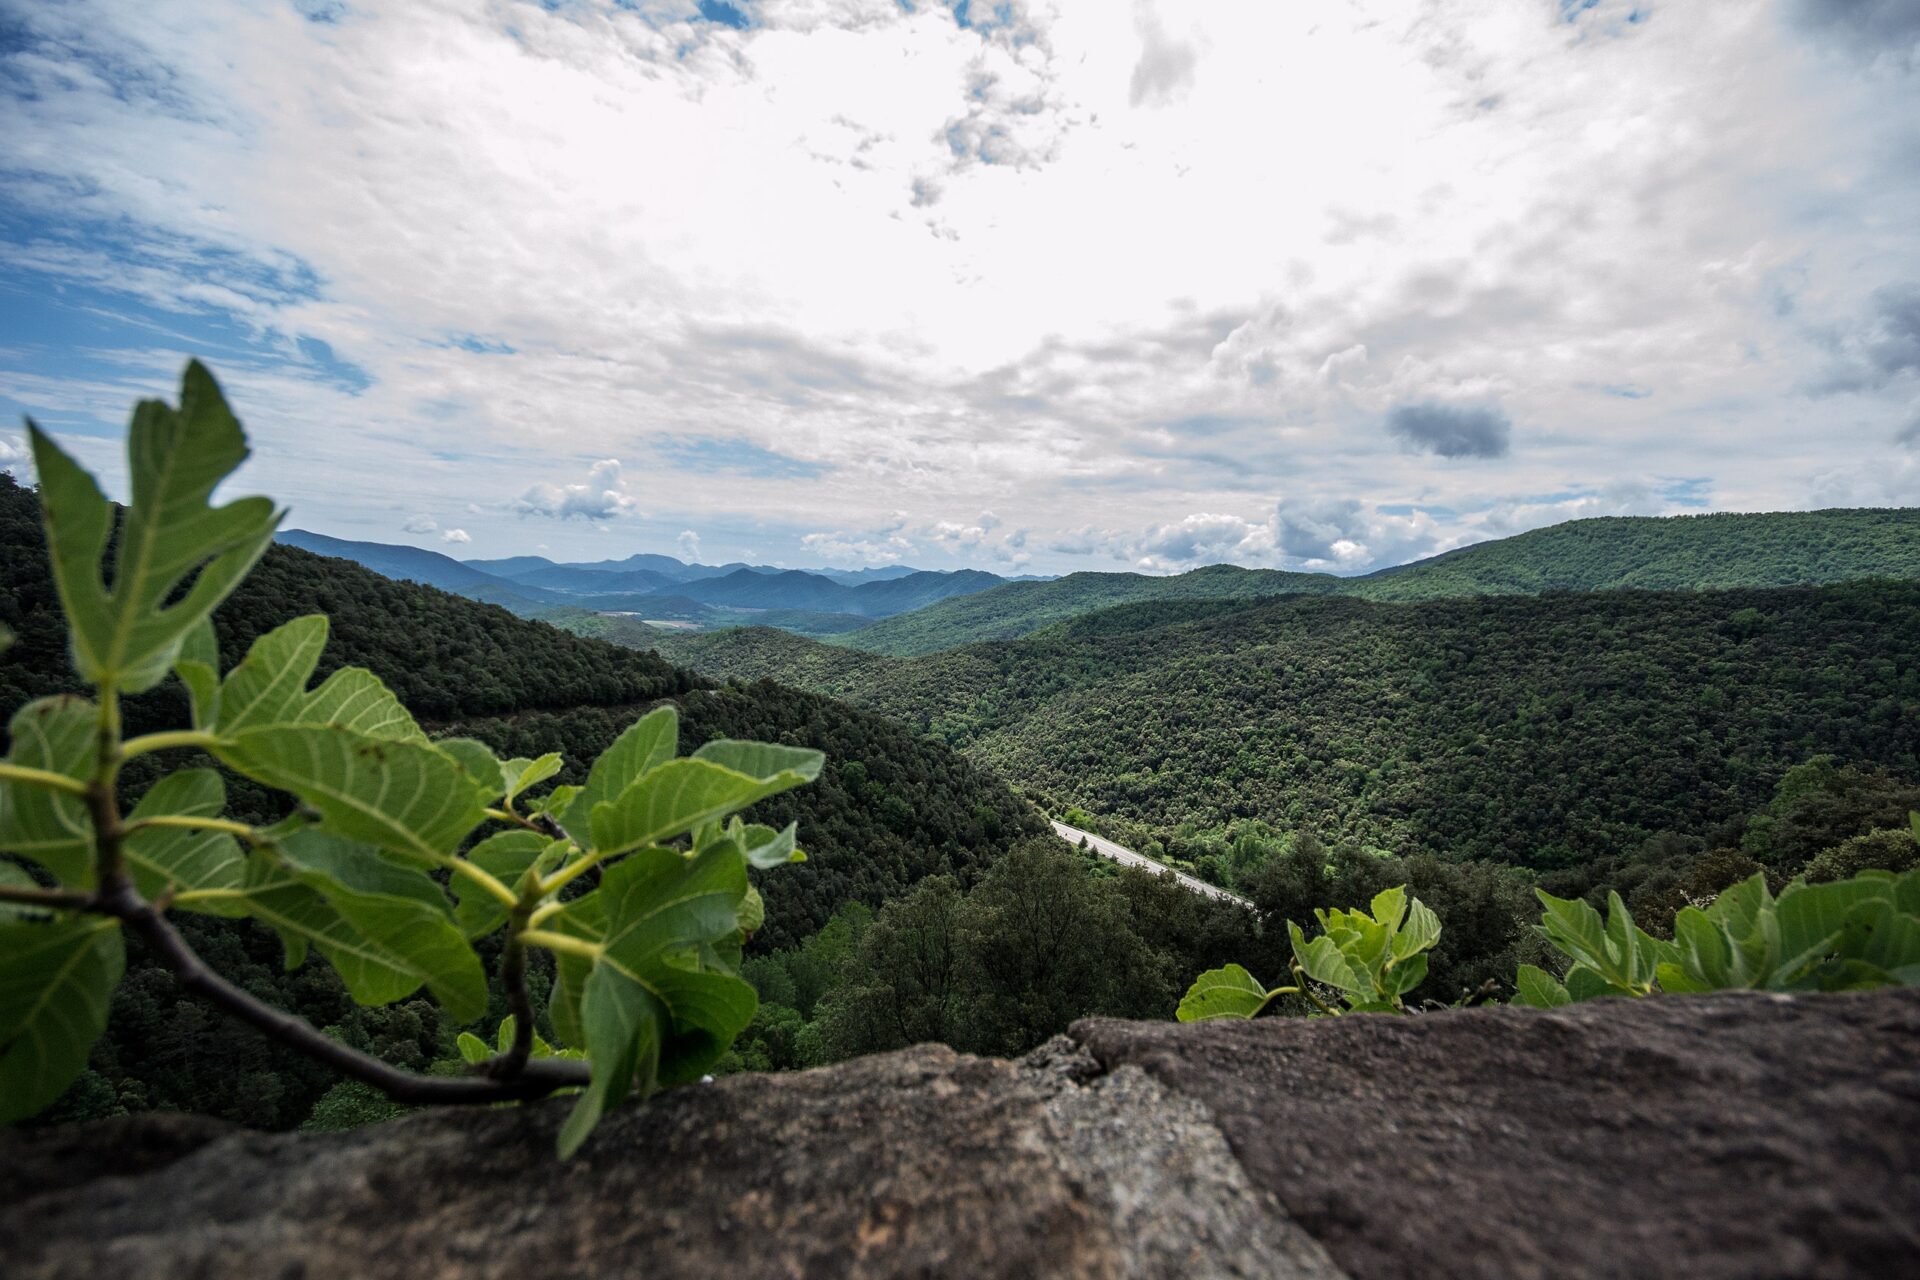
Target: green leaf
(403,796)
(56,985)
(519,774)
(677,797)
(1325,962)
(506,857)
(1419,933)
(52,828)
(1535,987)
(1229,992)
(478,762)
(1811,918)
(646,1007)
(354,698)
(198,667)
(270,684)
(387,930)
(1584,983)
(648,743)
(473,1050)
(763,760)
(172,860)
(767,848)
(129,635)
(1390,907)
(621,1019)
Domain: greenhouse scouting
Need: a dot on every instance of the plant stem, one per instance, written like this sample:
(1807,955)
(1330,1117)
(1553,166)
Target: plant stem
(251,835)
(562,943)
(513,977)
(51,899)
(485,879)
(41,778)
(534,1079)
(168,741)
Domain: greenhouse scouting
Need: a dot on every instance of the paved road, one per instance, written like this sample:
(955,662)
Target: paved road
(1127,857)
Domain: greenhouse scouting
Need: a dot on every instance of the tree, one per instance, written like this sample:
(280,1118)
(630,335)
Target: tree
(400,852)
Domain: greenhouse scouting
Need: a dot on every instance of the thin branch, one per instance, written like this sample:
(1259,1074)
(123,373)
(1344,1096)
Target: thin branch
(535,1079)
(49,899)
(32,777)
(513,977)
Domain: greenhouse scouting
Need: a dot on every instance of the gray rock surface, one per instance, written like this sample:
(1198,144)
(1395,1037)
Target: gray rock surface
(1710,1136)
(1727,1135)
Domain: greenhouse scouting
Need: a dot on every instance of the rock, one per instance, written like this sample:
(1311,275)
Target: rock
(920,1163)
(1739,1134)
(1734,1135)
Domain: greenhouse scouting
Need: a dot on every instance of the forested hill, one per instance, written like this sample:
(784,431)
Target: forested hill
(1536,730)
(526,688)
(1669,553)
(1675,553)
(1018,608)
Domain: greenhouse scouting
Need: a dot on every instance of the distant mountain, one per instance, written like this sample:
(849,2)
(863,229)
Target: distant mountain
(510,566)
(577,581)
(408,564)
(1678,553)
(854,577)
(795,589)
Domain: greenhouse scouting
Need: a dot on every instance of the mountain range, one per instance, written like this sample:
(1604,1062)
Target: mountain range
(662,588)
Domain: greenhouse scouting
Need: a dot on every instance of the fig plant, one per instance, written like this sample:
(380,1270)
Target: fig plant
(1369,959)
(400,851)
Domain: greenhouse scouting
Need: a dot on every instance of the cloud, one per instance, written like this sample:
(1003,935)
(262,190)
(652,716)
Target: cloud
(455,535)
(689,544)
(1871,27)
(602,497)
(1885,344)
(13,453)
(993,282)
(1452,431)
(1909,434)
(420,524)
(1166,67)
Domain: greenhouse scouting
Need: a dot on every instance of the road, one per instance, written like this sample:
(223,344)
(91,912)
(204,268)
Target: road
(1128,858)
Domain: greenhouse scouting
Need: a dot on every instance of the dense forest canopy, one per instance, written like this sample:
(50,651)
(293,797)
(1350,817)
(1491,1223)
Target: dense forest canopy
(1675,553)
(1539,731)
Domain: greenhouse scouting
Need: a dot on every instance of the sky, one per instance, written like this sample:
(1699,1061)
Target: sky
(1030,287)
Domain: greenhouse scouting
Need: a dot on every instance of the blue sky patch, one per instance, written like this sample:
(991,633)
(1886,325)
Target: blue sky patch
(711,455)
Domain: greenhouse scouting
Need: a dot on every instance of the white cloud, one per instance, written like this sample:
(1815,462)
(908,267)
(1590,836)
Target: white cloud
(420,524)
(456,535)
(1123,274)
(689,544)
(602,497)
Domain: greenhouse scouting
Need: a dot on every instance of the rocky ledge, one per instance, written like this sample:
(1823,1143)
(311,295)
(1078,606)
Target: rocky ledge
(1729,1135)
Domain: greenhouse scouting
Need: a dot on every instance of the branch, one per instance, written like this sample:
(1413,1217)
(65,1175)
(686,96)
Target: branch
(168,741)
(513,977)
(49,899)
(535,1079)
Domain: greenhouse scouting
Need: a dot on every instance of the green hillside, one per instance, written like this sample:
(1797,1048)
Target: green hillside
(1018,608)
(1677,553)
(1542,731)
(1669,553)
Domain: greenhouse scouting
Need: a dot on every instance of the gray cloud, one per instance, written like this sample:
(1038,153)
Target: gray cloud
(1308,529)
(1452,431)
(1894,346)
(1871,27)
(1166,67)
(1909,435)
